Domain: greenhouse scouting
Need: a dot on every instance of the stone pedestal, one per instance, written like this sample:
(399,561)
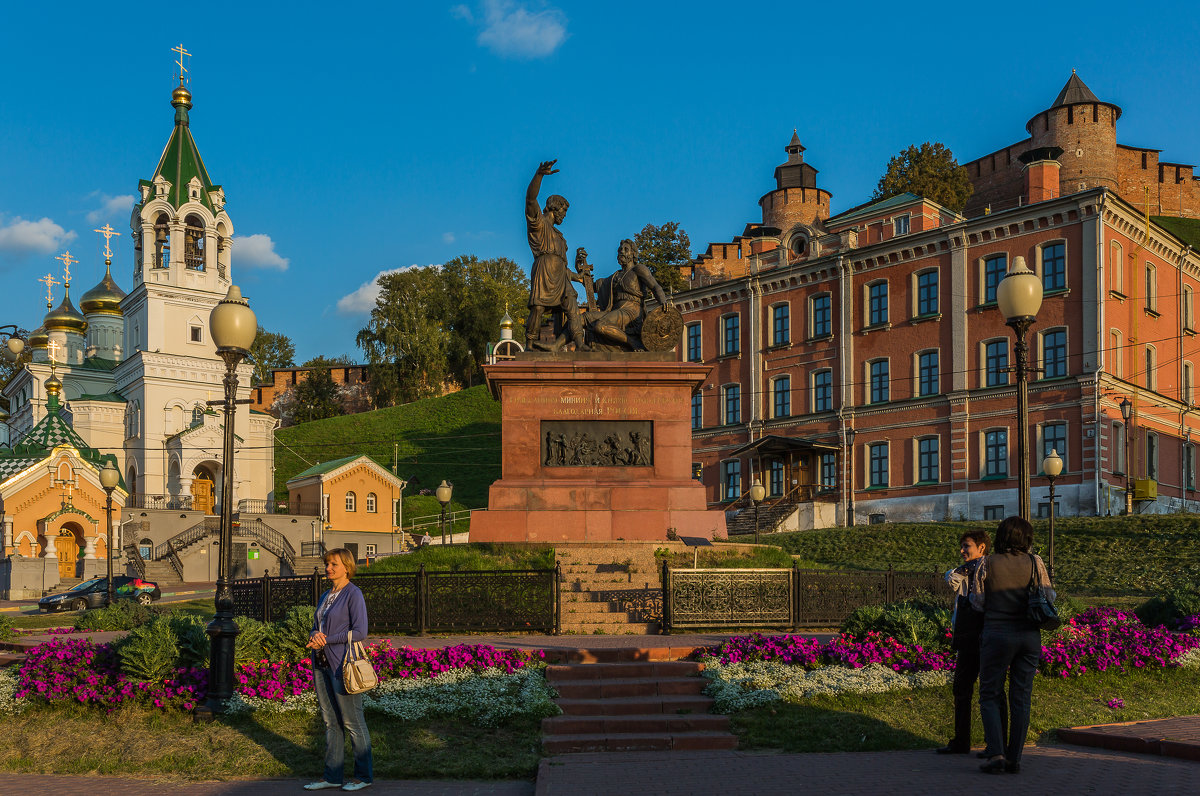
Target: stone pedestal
(595,448)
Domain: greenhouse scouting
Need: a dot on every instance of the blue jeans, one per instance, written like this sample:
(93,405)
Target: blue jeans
(341,710)
(1014,649)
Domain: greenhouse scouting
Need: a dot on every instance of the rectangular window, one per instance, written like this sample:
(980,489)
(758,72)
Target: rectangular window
(1150,366)
(927,460)
(731,480)
(197,334)
(781,330)
(775,478)
(731,341)
(733,404)
(880,384)
(781,390)
(1186,391)
(829,470)
(1119,443)
(693,343)
(995,453)
(993,512)
(1152,455)
(822,322)
(877,303)
(369,550)
(1054,267)
(996,363)
(823,391)
(698,411)
(927,370)
(994,269)
(1054,354)
(927,293)
(901,223)
(1054,438)
(1151,288)
(879,464)
(1189,466)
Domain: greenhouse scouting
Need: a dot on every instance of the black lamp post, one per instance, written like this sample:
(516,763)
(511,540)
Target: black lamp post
(757,493)
(444,492)
(233,327)
(1052,466)
(1019,297)
(850,477)
(109,478)
(1126,414)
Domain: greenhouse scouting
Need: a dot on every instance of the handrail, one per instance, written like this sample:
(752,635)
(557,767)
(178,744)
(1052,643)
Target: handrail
(173,557)
(135,557)
(186,538)
(434,520)
(275,542)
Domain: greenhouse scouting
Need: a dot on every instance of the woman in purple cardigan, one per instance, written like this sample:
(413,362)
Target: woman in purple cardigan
(341,610)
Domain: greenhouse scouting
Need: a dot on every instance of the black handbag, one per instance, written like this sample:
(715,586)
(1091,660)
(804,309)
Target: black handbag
(1041,611)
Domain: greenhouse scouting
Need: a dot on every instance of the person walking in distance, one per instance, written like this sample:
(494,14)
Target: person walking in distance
(341,611)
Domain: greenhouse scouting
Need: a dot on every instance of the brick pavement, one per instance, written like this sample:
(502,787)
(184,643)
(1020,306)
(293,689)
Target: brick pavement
(44,785)
(1177,737)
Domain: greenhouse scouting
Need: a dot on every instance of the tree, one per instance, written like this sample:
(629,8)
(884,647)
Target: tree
(316,397)
(271,350)
(665,251)
(9,369)
(930,171)
(431,326)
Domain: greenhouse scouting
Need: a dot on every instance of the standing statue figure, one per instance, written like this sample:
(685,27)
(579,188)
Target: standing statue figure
(549,284)
(620,324)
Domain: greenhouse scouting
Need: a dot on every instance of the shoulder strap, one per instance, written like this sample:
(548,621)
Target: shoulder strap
(1034,578)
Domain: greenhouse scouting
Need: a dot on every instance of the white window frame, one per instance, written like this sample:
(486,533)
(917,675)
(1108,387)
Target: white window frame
(1116,270)
(351,503)
(1150,366)
(372,503)
(903,220)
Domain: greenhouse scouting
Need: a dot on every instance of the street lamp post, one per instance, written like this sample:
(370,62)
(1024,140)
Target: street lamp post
(233,328)
(757,493)
(1019,296)
(1126,414)
(14,345)
(849,477)
(109,478)
(444,492)
(1052,466)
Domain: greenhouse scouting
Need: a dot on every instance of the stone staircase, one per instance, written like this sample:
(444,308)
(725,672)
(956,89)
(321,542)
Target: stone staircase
(306,564)
(642,706)
(162,573)
(610,588)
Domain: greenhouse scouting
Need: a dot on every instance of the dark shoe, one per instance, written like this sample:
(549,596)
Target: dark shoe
(984,755)
(1012,768)
(953,749)
(997,766)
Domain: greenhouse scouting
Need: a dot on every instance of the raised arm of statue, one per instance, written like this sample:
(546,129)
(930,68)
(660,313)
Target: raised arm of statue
(532,208)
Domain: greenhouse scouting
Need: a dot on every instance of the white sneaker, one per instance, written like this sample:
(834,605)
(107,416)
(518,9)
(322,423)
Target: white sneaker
(356,785)
(322,785)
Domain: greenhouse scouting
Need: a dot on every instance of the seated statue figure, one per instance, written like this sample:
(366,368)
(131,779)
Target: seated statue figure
(623,299)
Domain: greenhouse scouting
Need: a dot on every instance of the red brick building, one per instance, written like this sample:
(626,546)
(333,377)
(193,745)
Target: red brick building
(861,360)
(282,379)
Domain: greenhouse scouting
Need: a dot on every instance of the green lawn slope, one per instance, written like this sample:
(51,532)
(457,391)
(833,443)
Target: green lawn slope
(455,437)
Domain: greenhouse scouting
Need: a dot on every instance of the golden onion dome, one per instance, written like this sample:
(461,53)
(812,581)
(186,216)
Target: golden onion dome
(38,338)
(506,322)
(104,298)
(181,96)
(53,385)
(66,318)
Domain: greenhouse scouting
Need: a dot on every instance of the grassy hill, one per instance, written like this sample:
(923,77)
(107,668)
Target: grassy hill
(456,437)
(1139,555)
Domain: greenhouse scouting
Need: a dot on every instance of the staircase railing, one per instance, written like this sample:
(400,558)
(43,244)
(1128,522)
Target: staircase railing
(134,556)
(186,538)
(271,539)
(173,557)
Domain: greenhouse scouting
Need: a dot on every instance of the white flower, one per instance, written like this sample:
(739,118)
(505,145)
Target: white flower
(739,686)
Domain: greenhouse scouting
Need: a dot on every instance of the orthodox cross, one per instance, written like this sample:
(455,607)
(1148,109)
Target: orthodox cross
(182,67)
(68,487)
(50,282)
(52,351)
(67,259)
(108,232)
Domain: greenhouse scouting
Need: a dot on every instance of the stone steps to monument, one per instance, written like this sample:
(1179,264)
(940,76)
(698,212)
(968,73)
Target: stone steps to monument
(622,627)
(632,706)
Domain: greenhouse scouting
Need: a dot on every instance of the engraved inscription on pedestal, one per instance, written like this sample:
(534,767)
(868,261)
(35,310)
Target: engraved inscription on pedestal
(597,443)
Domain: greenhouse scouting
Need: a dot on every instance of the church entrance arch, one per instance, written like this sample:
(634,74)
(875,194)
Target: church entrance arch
(203,489)
(68,544)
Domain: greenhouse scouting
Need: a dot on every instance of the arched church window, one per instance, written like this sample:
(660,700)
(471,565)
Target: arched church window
(162,242)
(193,243)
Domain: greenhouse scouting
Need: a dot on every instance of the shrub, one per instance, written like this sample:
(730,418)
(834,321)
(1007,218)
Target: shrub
(121,615)
(193,641)
(287,638)
(920,623)
(252,640)
(150,651)
(6,627)
(1168,609)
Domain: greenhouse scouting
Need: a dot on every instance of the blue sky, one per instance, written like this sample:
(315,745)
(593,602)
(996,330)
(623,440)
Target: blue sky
(357,139)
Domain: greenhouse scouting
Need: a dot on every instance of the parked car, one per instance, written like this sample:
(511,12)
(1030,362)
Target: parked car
(94,594)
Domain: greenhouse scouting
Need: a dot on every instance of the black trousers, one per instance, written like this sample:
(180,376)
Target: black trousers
(966,672)
(1013,649)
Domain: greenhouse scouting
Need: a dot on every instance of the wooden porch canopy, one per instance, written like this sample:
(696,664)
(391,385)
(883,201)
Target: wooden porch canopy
(774,445)
(799,474)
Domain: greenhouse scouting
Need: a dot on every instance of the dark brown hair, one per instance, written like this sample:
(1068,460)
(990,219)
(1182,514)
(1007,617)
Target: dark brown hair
(1014,535)
(980,538)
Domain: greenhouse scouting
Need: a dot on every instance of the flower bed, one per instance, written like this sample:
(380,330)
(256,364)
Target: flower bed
(1105,638)
(846,650)
(477,680)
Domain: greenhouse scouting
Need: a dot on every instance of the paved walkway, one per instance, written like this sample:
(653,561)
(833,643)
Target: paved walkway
(1177,737)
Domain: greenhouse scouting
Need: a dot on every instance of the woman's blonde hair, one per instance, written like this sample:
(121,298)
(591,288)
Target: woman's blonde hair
(346,557)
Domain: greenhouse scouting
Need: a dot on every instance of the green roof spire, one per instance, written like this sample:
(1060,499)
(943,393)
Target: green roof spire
(181,161)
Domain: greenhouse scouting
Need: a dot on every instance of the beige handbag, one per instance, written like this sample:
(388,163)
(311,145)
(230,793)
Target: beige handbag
(357,673)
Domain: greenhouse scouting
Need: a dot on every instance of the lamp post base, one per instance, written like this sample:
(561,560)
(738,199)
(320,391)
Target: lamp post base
(222,631)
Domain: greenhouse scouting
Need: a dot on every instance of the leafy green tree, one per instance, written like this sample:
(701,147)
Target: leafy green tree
(317,397)
(271,350)
(665,250)
(929,171)
(7,369)
(322,361)
(431,326)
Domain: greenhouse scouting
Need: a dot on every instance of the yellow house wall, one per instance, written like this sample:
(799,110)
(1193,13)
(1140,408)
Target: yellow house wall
(362,480)
(44,497)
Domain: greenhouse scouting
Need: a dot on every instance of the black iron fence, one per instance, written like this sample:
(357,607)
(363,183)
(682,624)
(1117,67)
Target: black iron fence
(422,601)
(783,598)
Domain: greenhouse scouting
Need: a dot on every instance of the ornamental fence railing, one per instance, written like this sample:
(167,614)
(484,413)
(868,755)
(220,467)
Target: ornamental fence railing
(423,601)
(783,598)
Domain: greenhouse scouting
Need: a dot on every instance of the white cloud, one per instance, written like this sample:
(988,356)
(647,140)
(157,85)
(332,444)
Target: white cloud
(362,300)
(110,207)
(19,236)
(510,29)
(447,237)
(257,251)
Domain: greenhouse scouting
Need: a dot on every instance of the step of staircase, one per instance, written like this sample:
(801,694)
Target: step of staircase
(641,706)
(161,572)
